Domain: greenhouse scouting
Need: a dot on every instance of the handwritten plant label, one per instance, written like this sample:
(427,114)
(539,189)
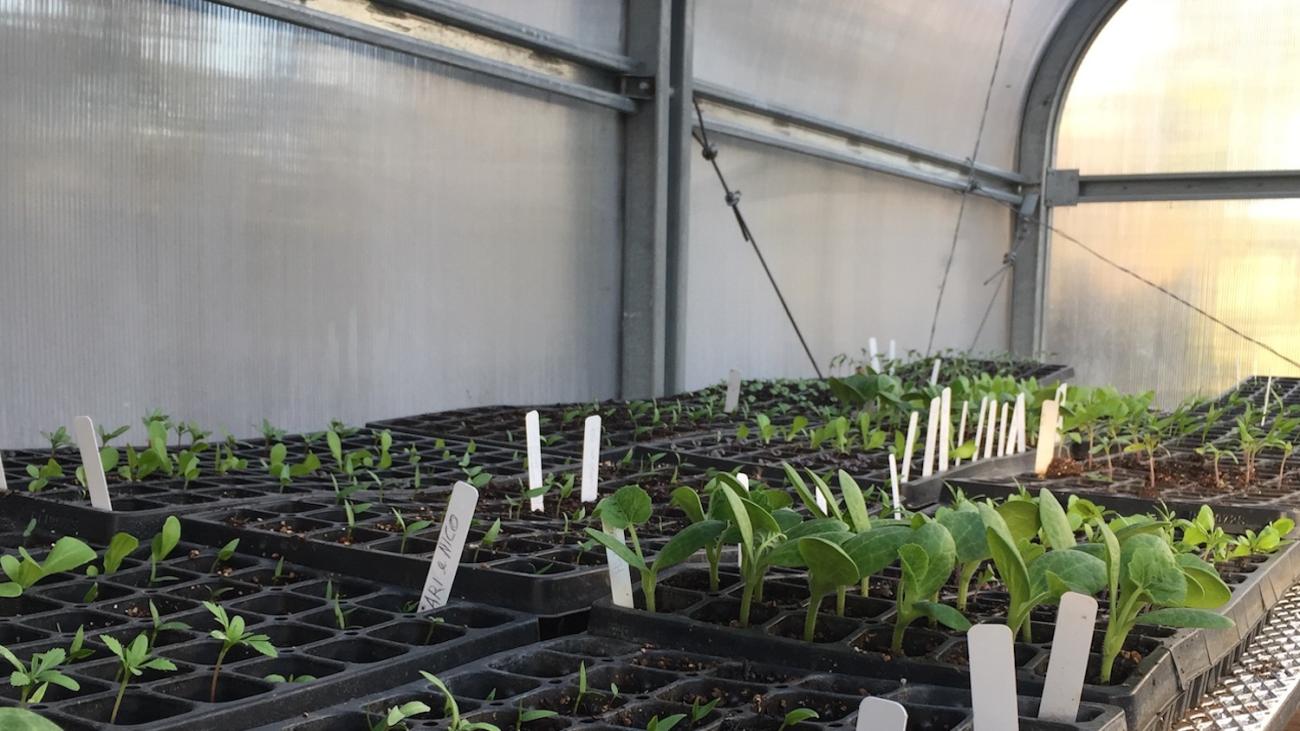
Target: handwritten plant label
(1075,621)
(733,391)
(83,429)
(961,427)
(1002,434)
(590,458)
(620,574)
(991,432)
(1020,424)
(993,677)
(931,436)
(532,428)
(4,484)
(979,428)
(907,446)
(878,714)
(1046,439)
(875,354)
(451,543)
(1268,391)
(934,374)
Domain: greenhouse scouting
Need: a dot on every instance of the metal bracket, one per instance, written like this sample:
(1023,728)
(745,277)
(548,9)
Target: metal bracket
(1061,188)
(637,87)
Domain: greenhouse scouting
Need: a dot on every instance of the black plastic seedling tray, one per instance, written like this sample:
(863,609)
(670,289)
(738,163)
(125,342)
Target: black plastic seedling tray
(652,681)
(382,642)
(536,564)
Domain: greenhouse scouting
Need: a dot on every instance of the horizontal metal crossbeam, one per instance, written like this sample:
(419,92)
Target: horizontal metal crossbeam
(738,115)
(1069,187)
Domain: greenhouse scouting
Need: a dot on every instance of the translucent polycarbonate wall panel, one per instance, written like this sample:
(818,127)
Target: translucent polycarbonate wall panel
(916,71)
(1235,259)
(593,23)
(857,255)
(230,217)
(1187,85)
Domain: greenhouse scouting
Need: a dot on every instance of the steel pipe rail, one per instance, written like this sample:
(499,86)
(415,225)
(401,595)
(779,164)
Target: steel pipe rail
(1068,187)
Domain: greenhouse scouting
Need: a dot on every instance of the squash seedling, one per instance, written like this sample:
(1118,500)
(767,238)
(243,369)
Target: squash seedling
(161,546)
(231,635)
(829,568)
(133,660)
(689,502)
(927,559)
(1142,573)
(36,677)
(23,571)
(629,507)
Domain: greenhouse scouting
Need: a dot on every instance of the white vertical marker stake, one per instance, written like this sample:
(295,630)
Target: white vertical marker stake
(991,432)
(979,428)
(934,374)
(743,480)
(875,354)
(961,427)
(4,484)
(1046,438)
(83,429)
(931,435)
(451,543)
(1075,621)
(945,427)
(1020,424)
(1061,392)
(590,458)
(892,357)
(1002,431)
(993,677)
(907,446)
(878,714)
(733,391)
(620,574)
(1268,391)
(893,483)
(532,429)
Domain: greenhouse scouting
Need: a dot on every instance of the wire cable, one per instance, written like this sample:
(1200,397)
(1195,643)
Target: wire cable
(961,209)
(710,152)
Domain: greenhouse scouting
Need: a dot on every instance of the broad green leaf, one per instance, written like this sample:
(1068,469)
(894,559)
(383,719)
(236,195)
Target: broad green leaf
(967,529)
(941,555)
(832,502)
(854,504)
(829,566)
(1147,564)
(877,548)
(1186,617)
(1076,570)
(619,548)
(689,540)
(1021,518)
(689,501)
(67,554)
(1055,524)
(944,614)
(801,489)
(121,546)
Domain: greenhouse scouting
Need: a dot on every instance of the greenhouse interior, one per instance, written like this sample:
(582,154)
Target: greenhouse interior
(650,365)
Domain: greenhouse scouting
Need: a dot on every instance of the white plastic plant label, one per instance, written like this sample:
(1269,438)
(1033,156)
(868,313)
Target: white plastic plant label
(742,479)
(1061,392)
(961,426)
(451,543)
(979,428)
(875,354)
(912,423)
(733,391)
(893,358)
(83,429)
(931,436)
(1075,621)
(878,714)
(1268,391)
(1020,424)
(993,677)
(893,483)
(945,427)
(1046,439)
(1002,431)
(620,574)
(991,432)
(590,458)
(4,484)
(532,429)
(934,374)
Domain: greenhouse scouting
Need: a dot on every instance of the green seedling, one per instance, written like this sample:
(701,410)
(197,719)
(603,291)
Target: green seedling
(1144,574)
(528,715)
(452,709)
(278,678)
(927,557)
(409,530)
(395,717)
(829,568)
(582,687)
(1268,540)
(224,554)
(42,475)
(232,634)
(161,546)
(271,433)
(159,626)
(699,712)
(121,546)
(689,502)
(57,438)
(35,678)
(796,717)
(1203,536)
(489,538)
(23,571)
(287,472)
(629,507)
(21,719)
(666,723)
(133,659)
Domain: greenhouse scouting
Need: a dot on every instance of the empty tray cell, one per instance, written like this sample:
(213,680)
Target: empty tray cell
(230,687)
(417,632)
(277,604)
(288,666)
(137,708)
(540,664)
(358,650)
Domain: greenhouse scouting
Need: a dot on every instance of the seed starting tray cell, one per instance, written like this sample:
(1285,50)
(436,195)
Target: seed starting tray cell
(653,682)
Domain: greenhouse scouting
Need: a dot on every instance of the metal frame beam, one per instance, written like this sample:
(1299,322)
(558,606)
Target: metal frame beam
(466,50)
(656,163)
(741,116)
(1068,187)
(1052,74)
